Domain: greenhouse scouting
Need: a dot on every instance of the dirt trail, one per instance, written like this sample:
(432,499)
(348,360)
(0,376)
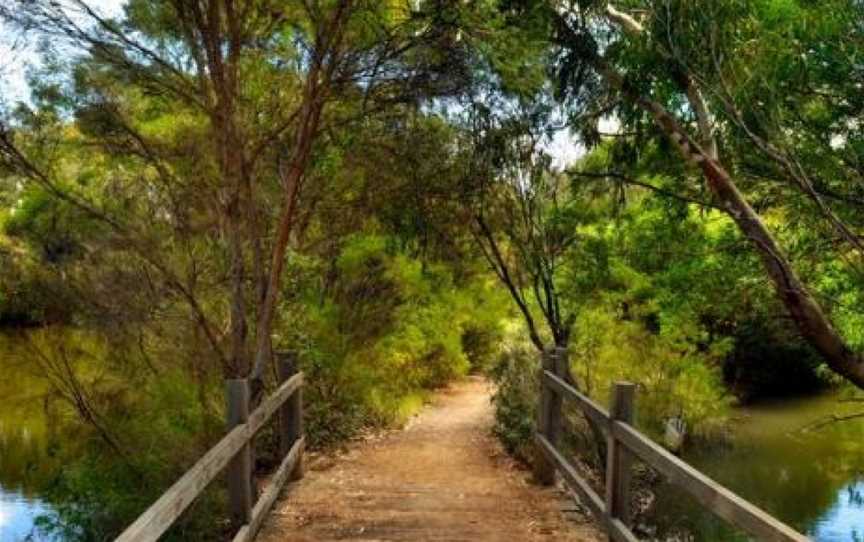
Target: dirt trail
(442,478)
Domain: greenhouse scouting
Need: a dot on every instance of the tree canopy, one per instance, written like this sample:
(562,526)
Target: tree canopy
(193,185)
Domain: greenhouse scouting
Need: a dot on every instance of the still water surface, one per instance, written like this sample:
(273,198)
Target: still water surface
(20,476)
(25,460)
(812,480)
(18,514)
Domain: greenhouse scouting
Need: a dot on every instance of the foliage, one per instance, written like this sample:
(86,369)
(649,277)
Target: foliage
(370,184)
(686,270)
(674,378)
(104,438)
(388,329)
(515,399)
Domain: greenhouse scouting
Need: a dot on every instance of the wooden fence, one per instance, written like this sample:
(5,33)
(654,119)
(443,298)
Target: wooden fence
(623,444)
(234,454)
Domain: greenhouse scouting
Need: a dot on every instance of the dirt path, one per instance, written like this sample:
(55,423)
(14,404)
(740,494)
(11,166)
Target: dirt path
(442,478)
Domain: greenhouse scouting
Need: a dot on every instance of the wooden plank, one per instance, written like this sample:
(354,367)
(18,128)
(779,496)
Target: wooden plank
(268,497)
(164,512)
(161,515)
(244,534)
(617,457)
(558,360)
(266,409)
(595,412)
(587,495)
(718,499)
(296,410)
(619,531)
(287,367)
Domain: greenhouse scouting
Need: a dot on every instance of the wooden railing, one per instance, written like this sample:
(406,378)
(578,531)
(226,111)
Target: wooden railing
(235,451)
(623,444)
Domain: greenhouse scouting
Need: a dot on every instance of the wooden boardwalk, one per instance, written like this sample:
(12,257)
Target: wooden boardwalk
(442,478)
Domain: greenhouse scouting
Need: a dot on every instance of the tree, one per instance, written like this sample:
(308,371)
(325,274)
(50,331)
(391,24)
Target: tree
(522,221)
(252,84)
(657,63)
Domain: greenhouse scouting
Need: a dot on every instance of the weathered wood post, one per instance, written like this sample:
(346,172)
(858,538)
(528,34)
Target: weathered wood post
(239,471)
(617,457)
(548,415)
(560,366)
(291,412)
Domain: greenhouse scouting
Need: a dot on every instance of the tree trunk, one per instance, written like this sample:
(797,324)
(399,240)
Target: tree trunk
(805,311)
(306,132)
(316,88)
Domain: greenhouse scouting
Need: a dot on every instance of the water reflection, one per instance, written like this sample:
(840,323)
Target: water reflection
(26,462)
(845,520)
(18,514)
(814,481)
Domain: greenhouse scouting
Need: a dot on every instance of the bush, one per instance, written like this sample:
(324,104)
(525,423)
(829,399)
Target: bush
(515,399)
(676,377)
(383,332)
(160,432)
(373,339)
(771,359)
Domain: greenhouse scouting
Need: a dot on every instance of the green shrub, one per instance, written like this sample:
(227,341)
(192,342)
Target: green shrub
(676,377)
(373,341)
(385,331)
(160,432)
(515,399)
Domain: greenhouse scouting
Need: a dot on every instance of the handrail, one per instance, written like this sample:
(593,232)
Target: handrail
(269,496)
(591,409)
(624,439)
(722,501)
(162,514)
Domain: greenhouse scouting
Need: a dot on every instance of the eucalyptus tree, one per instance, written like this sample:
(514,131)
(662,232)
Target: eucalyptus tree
(750,94)
(204,118)
(522,216)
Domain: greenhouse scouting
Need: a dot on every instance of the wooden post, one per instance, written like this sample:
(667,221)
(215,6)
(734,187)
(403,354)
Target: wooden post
(556,401)
(239,471)
(617,458)
(291,413)
(548,419)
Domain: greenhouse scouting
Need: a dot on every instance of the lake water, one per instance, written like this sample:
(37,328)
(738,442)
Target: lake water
(18,514)
(23,466)
(25,460)
(813,480)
